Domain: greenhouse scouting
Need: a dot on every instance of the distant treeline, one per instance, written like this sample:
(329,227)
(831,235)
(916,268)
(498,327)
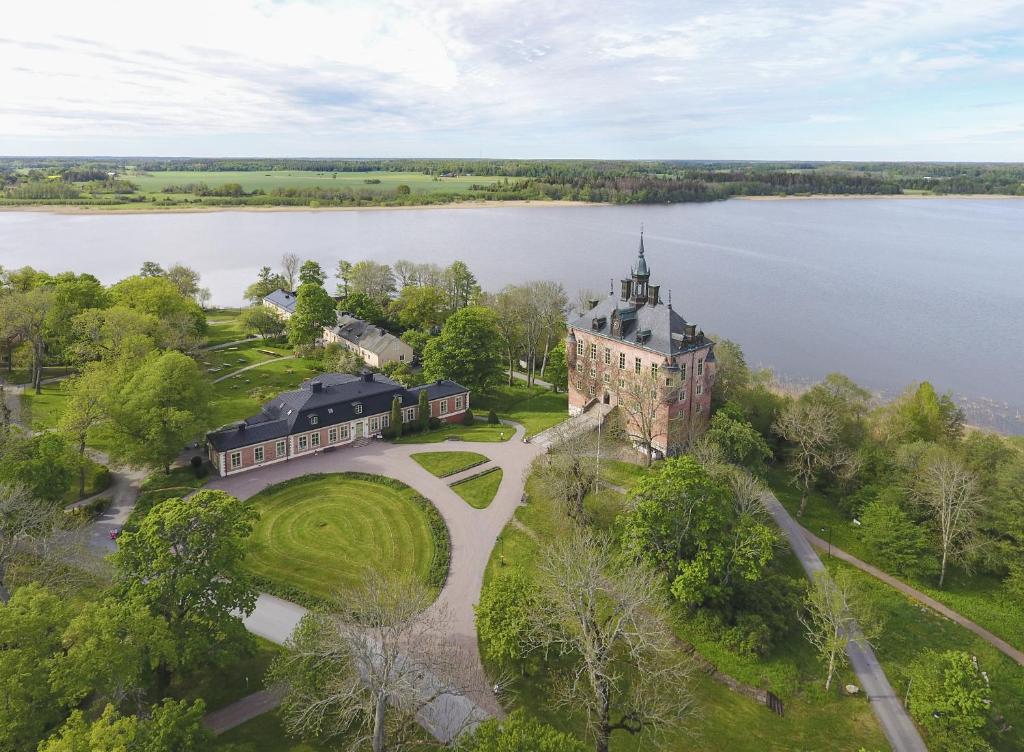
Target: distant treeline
(670,181)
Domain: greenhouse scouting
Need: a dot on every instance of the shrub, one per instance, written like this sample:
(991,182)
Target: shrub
(197,466)
(468,418)
(101,481)
(434,423)
(492,418)
(94,509)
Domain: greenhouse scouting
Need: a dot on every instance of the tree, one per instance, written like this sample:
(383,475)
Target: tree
(466,350)
(85,410)
(173,725)
(185,279)
(557,370)
(461,285)
(184,563)
(641,400)
(30,627)
(505,614)
(739,443)
(117,333)
(110,649)
(517,733)
(266,282)
(894,537)
(402,190)
(837,614)
(26,316)
(948,492)
(162,407)
(506,305)
(605,619)
(260,320)
(362,307)
(344,273)
(290,269)
(423,409)
(570,469)
(921,415)
(396,416)
(183,322)
(813,429)
(732,374)
(151,269)
(314,310)
(423,308)
(374,280)
(950,696)
(364,669)
(41,462)
(311,273)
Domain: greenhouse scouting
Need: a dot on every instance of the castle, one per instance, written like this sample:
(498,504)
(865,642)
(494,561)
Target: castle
(638,354)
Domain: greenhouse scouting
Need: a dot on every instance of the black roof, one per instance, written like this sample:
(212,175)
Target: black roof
(331,398)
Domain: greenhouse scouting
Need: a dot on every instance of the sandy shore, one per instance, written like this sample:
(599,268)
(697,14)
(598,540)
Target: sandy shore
(858,196)
(184,209)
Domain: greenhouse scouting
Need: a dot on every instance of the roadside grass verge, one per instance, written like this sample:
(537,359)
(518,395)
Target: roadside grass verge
(457,432)
(723,720)
(443,464)
(317,535)
(910,629)
(982,598)
(479,490)
(537,408)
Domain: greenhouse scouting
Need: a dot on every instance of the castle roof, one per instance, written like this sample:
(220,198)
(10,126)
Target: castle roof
(640,268)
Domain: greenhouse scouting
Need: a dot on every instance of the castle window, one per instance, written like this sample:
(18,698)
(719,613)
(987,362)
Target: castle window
(579,385)
(579,366)
(332,435)
(357,408)
(700,366)
(303,443)
(313,420)
(593,372)
(344,432)
(682,373)
(590,390)
(637,364)
(593,351)
(682,394)
(698,409)
(654,370)
(607,355)
(579,347)
(622,383)
(606,377)
(236,460)
(622,361)
(700,389)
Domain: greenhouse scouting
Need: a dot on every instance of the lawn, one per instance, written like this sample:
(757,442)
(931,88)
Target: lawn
(479,490)
(227,360)
(911,628)
(23,376)
(443,464)
(723,720)
(318,534)
(239,397)
(621,473)
(537,408)
(981,598)
(264,733)
(42,411)
(479,431)
(223,686)
(97,478)
(224,325)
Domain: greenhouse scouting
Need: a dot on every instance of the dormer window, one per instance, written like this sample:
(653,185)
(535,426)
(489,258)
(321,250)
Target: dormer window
(357,408)
(313,420)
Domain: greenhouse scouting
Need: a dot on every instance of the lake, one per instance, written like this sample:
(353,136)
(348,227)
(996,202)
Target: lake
(887,291)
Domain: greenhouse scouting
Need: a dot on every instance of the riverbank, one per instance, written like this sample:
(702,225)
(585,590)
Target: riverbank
(148,208)
(838,196)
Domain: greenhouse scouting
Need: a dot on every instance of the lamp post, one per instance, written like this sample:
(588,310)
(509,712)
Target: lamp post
(829,528)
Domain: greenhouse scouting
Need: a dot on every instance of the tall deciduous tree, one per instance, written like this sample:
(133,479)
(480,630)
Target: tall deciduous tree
(87,407)
(172,725)
(374,280)
(290,263)
(466,351)
(461,285)
(182,320)
(266,282)
(812,427)
(186,279)
(606,621)
(26,315)
(260,320)
(369,668)
(314,310)
(570,468)
(642,399)
(184,563)
(162,407)
(311,273)
(518,733)
(951,697)
(344,273)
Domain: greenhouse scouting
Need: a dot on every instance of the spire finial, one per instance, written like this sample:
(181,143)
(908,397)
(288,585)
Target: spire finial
(670,297)
(641,238)
(611,287)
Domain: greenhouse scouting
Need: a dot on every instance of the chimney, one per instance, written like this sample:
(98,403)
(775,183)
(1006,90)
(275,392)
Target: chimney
(317,387)
(691,330)
(592,304)
(241,426)
(627,288)
(652,294)
(367,375)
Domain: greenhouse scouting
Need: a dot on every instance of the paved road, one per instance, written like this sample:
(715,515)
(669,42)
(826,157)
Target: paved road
(996,642)
(243,710)
(473,532)
(123,491)
(888,707)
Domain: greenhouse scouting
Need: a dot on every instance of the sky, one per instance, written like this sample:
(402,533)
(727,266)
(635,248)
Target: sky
(791,79)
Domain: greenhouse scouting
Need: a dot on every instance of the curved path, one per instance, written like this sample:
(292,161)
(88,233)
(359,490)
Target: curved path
(252,366)
(473,531)
(896,723)
(996,642)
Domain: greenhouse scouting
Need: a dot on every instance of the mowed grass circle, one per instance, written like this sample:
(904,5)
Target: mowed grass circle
(319,533)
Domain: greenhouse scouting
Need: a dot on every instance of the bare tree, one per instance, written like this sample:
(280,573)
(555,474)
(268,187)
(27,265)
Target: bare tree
(569,470)
(290,263)
(368,669)
(813,429)
(374,280)
(949,492)
(510,326)
(835,616)
(43,538)
(605,618)
(641,400)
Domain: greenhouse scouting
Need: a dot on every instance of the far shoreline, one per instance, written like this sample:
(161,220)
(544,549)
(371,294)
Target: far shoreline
(128,209)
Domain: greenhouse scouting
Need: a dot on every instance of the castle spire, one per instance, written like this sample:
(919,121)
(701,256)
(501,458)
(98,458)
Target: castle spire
(640,270)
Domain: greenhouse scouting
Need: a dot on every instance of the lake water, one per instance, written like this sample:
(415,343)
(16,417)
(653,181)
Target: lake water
(888,291)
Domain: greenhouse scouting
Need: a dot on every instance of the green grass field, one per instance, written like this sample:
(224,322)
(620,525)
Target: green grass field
(457,432)
(621,473)
(723,720)
(319,533)
(235,399)
(537,408)
(443,464)
(42,411)
(227,360)
(223,325)
(155,182)
(980,597)
(479,490)
(911,628)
